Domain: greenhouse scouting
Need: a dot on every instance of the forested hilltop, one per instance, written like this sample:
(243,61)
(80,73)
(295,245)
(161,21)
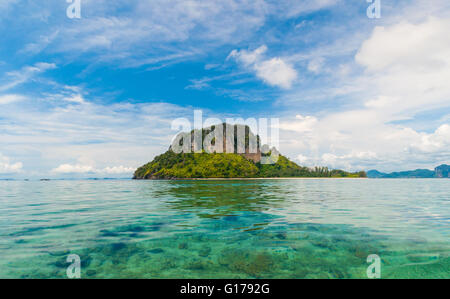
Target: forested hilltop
(220,165)
(210,163)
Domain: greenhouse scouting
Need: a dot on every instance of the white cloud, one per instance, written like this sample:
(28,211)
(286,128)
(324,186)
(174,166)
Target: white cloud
(316,65)
(301,124)
(416,47)
(42,43)
(302,159)
(6,167)
(360,139)
(118,170)
(139,30)
(10,98)
(407,66)
(347,161)
(16,78)
(248,58)
(110,138)
(76,98)
(291,8)
(274,71)
(140,33)
(77,168)
(380,102)
(439,141)
(383,122)
(87,169)
(43,66)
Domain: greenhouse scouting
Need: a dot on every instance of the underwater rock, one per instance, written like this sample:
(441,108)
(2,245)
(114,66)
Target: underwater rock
(60,253)
(259,264)
(118,246)
(231,218)
(205,251)
(107,233)
(183,245)
(422,258)
(156,250)
(312,228)
(91,272)
(61,263)
(227,256)
(198,265)
(323,243)
(281,236)
(85,261)
(256,264)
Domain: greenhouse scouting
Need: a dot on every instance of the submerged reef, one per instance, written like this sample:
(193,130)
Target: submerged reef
(302,251)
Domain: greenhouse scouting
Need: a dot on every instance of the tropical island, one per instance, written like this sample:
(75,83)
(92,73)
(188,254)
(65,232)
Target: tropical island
(209,163)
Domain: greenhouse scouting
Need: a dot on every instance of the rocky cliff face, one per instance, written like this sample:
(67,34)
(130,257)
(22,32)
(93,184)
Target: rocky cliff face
(235,139)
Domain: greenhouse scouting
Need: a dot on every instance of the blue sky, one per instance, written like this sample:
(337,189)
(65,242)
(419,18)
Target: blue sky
(95,96)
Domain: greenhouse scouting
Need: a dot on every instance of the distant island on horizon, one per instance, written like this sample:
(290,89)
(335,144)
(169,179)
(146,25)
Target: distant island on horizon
(213,165)
(442,171)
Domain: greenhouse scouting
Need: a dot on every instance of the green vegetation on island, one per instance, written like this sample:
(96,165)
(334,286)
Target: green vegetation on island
(222,165)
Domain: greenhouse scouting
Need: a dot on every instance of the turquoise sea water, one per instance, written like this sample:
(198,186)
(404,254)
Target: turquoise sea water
(225,229)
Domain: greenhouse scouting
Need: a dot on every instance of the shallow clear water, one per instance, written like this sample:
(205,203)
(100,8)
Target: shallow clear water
(225,229)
